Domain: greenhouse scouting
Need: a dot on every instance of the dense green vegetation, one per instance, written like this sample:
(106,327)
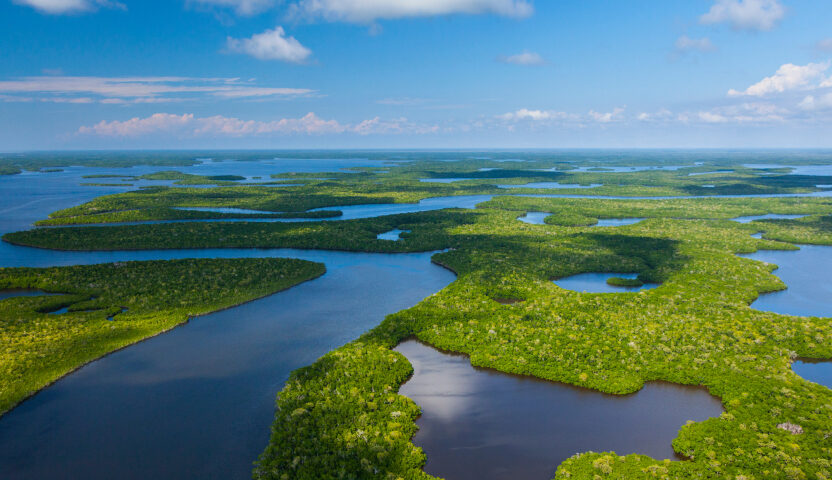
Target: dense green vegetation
(342,417)
(402,185)
(143,299)
(624,282)
(9,170)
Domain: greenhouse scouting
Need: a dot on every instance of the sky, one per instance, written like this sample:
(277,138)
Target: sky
(171,74)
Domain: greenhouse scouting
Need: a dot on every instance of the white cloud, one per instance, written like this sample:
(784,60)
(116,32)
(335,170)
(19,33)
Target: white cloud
(685,44)
(607,117)
(271,45)
(532,115)
(59,7)
(188,125)
(822,102)
(139,126)
(368,11)
(788,77)
(241,7)
(525,58)
(660,115)
(141,89)
(745,14)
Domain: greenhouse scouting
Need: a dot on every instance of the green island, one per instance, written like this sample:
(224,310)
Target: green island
(342,417)
(110,306)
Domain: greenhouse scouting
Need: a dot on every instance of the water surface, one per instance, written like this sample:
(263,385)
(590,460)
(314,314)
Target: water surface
(393,235)
(806,273)
(551,185)
(597,283)
(769,216)
(818,371)
(21,292)
(197,402)
(479,424)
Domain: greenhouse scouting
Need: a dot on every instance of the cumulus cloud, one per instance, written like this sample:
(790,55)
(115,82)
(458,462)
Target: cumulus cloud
(525,59)
(271,45)
(552,116)
(188,125)
(368,11)
(788,77)
(821,102)
(685,44)
(757,15)
(141,89)
(532,115)
(241,7)
(607,117)
(60,7)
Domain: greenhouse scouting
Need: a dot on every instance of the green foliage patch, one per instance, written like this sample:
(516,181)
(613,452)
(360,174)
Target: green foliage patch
(143,299)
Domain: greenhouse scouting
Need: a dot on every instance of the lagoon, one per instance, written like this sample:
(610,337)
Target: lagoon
(481,424)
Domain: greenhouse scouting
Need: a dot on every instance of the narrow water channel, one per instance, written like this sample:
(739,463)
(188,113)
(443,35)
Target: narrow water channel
(197,402)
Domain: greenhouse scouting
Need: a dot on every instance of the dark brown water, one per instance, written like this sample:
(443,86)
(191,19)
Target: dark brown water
(480,424)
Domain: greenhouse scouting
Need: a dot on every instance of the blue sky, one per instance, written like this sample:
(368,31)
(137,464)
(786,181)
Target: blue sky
(78,74)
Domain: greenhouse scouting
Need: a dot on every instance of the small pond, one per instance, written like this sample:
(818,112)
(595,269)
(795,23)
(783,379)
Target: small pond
(11,293)
(393,235)
(617,222)
(534,218)
(551,185)
(242,211)
(770,216)
(597,283)
(481,424)
(443,180)
(537,218)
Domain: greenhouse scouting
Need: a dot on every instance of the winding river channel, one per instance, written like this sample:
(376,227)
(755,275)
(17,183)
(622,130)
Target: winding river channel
(197,402)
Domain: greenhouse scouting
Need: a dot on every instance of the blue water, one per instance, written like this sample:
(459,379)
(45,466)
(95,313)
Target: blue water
(770,216)
(551,185)
(597,283)
(534,218)
(819,372)
(393,235)
(242,211)
(537,218)
(12,293)
(443,180)
(806,273)
(617,222)
(196,402)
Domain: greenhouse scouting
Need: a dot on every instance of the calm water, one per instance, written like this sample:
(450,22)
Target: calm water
(393,235)
(484,425)
(806,273)
(550,185)
(196,402)
(597,283)
(617,222)
(534,218)
(537,218)
(819,372)
(11,293)
(770,216)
